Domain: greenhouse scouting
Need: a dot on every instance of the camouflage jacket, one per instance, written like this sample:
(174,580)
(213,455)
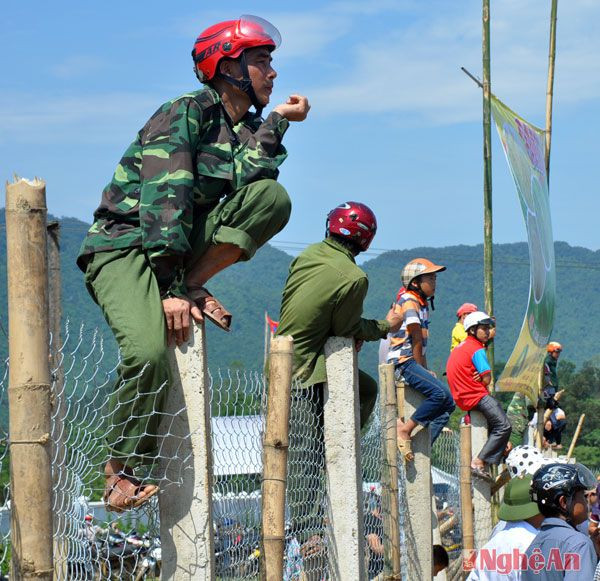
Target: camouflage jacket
(182,162)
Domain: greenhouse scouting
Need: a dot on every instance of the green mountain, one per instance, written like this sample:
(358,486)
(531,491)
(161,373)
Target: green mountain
(250,288)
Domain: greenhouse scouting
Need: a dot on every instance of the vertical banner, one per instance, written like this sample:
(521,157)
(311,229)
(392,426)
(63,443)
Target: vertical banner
(524,147)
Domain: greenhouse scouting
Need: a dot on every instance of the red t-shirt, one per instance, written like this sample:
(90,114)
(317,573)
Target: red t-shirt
(468,357)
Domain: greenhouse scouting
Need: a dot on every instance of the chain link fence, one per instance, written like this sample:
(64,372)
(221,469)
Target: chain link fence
(91,543)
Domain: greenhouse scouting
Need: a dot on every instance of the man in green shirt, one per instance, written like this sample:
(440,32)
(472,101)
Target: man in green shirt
(194,193)
(323,297)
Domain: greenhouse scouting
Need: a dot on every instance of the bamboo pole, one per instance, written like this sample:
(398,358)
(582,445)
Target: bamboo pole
(276,442)
(389,478)
(448,524)
(550,85)
(266,346)
(575,436)
(29,381)
(502,479)
(488,284)
(466,496)
(59,453)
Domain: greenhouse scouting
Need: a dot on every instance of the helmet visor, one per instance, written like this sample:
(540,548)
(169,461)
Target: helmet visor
(255,27)
(586,477)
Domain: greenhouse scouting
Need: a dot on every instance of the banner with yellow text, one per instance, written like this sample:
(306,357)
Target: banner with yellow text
(524,147)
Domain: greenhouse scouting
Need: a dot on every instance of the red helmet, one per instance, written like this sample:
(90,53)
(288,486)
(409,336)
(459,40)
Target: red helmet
(466,308)
(553,346)
(229,39)
(354,221)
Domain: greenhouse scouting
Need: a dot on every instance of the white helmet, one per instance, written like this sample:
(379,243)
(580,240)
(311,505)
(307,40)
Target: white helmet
(526,459)
(477,318)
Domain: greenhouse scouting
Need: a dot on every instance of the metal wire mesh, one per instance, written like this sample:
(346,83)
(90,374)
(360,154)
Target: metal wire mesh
(91,543)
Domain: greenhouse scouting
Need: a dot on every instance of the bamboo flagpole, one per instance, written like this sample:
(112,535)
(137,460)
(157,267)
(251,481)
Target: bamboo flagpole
(550,85)
(275,454)
(266,341)
(29,389)
(488,283)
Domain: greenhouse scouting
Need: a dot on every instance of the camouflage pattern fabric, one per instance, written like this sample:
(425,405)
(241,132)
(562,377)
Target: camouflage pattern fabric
(182,162)
(518,417)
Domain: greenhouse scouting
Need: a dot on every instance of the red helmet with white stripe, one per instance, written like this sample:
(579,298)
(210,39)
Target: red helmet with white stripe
(353,221)
(230,39)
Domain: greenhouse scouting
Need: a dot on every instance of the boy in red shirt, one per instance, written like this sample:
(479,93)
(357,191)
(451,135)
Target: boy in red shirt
(469,375)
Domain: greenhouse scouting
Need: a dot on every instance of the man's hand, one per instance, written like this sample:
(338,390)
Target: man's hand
(394,319)
(358,343)
(296,108)
(177,315)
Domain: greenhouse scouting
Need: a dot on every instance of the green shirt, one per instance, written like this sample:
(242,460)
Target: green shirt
(323,297)
(181,163)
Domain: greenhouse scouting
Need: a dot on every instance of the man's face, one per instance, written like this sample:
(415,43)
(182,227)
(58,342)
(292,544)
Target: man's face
(262,74)
(556,353)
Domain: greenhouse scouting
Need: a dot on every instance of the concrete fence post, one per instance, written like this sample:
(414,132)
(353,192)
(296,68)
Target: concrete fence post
(482,489)
(343,463)
(29,387)
(275,456)
(419,490)
(185,499)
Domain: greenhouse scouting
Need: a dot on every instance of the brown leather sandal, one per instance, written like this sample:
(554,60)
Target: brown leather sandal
(211,308)
(122,492)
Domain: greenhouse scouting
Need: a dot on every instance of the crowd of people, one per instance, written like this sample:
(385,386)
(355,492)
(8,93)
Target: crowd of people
(195,192)
(549,523)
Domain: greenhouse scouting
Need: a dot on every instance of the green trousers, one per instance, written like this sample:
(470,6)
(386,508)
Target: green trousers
(124,286)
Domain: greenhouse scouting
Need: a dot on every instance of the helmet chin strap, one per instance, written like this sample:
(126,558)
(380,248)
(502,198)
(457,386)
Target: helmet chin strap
(423,295)
(244,84)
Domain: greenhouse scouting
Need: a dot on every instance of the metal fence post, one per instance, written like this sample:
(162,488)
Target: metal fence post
(29,381)
(275,454)
(185,499)
(342,461)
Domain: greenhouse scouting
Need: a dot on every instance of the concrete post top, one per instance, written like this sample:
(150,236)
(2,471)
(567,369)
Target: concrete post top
(335,344)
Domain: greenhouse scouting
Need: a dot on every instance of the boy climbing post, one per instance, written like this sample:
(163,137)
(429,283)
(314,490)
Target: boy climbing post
(469,375)
(408,353)
(194,193)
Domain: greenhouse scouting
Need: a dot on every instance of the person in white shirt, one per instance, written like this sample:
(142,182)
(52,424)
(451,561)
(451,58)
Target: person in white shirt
(499,559)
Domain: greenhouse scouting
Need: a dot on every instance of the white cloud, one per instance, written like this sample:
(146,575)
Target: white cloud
(78,119)
(415,69)
(77,66)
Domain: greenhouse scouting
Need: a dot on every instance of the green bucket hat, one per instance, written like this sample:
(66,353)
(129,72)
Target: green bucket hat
(517,504)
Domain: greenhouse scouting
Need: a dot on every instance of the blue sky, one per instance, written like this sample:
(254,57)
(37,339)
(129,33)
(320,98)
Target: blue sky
(394,122)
